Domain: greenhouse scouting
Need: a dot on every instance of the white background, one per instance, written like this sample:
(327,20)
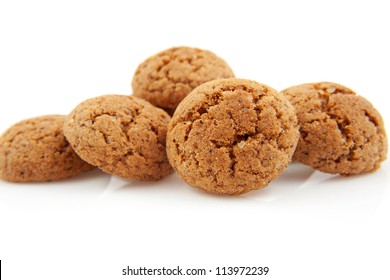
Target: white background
(305,225)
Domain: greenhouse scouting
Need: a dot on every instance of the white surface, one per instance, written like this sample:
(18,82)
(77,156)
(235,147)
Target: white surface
(305,225)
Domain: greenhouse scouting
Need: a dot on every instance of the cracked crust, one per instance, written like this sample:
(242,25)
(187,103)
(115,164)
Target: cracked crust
(341,132)
(35,150)
(167,77)
(232,136)
(122,135)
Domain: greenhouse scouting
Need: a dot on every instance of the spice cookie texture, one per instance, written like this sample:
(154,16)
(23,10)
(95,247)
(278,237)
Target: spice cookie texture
(35,150)
(231,136)
(341,132)
(122,135)
(167,77)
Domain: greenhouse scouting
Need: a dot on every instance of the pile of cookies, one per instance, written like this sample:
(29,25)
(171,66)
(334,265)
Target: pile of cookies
(188,113)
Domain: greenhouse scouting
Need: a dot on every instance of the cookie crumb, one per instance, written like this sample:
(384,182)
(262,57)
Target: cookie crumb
(241,144)
(331,89)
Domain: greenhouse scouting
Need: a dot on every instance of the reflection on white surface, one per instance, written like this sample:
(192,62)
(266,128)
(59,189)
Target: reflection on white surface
(295,177)
(57,194)
(298,191)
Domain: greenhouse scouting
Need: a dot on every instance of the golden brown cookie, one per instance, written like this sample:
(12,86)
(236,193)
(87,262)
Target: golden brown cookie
(231,136)
(122,135)
(167,77)
(36,150)
(341,132)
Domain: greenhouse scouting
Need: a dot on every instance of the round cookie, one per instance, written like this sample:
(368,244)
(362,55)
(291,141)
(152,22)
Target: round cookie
(167,77)
(341,132)
(122,135)
(35,150)
(231,136)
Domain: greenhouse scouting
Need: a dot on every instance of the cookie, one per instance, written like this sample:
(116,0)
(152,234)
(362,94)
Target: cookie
(231,136)
(167,77)
(122,135)
(35,150)
(341,132)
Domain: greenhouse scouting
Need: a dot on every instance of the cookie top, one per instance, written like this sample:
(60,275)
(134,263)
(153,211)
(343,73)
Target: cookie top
(167,77)
(341,132)
(36,150)
(231,136)
(122,135)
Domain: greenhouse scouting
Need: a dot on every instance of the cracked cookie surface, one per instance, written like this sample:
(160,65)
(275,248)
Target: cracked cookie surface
(341,132)
(122,135)
(231,136)
(35,150)
(167,77)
